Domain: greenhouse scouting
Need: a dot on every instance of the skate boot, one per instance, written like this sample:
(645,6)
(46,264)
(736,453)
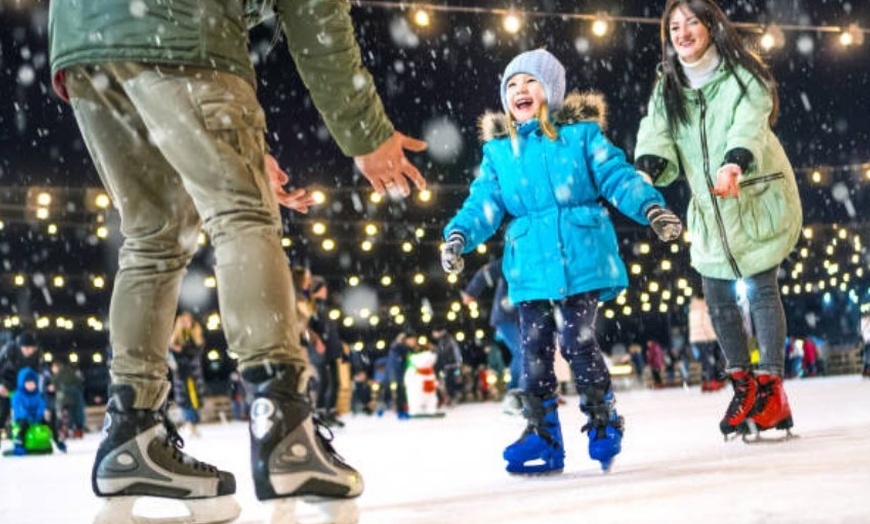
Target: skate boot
(741,404)
(539,449)
(604,425)
(771,409)
(140,456)
(291,453)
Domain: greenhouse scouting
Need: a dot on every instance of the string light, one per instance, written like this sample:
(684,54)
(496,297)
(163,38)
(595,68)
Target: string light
(512,21)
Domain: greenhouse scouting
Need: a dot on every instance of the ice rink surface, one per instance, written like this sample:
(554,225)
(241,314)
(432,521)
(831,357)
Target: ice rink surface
(674,468)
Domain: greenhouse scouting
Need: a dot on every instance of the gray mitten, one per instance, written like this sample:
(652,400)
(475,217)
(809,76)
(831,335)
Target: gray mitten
(451,254)
(664,222)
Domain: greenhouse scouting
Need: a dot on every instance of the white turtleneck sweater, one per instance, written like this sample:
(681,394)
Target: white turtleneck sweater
(701,71)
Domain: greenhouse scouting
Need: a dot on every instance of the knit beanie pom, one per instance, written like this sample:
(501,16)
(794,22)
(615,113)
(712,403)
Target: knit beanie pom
(542,65)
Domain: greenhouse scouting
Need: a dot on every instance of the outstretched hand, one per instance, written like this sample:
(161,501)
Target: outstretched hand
(388,169)
(727,181)
(298,200)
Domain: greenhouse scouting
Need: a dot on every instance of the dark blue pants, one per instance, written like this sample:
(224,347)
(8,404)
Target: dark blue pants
(573,321)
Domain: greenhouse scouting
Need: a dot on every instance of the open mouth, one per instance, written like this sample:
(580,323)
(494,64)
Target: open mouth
(523,103)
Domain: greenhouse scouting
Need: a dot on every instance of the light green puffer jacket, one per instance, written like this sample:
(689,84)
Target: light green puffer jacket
(733,237)
(214,34)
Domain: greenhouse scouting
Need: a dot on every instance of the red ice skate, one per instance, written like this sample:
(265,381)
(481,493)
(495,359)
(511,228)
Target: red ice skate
(771,408)
(742,402)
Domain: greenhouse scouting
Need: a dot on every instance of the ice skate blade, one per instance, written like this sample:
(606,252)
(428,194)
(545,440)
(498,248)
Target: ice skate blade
(124,510)
(757,438)
(331,511)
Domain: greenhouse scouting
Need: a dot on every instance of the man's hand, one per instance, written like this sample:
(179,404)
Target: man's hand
(728,181)
(3,391)
(664,223)
(298,200)
(451,254)
(387,167)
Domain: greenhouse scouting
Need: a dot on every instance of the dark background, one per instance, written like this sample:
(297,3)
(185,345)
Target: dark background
(435,83)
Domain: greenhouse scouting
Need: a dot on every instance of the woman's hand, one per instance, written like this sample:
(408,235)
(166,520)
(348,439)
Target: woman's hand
(727,181)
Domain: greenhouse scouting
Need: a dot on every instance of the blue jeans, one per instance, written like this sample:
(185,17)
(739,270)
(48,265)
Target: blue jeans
(766,312)
(575,328)
(509,334)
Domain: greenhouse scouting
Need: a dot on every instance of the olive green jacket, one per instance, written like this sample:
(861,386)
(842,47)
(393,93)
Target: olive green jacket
(214,34)
(730,237)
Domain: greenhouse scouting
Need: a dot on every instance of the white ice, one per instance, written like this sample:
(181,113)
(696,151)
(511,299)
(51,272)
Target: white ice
(674,468)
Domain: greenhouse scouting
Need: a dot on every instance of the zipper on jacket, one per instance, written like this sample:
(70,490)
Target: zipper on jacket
(720,224)
(762,179)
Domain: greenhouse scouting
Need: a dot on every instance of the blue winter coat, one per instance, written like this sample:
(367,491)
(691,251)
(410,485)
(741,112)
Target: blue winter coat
(28,406)
(560,240)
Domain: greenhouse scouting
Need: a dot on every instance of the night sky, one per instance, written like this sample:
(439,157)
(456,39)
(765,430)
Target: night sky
(435,83)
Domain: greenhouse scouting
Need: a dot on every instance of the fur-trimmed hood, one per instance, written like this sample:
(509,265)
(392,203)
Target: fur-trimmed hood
(588,106)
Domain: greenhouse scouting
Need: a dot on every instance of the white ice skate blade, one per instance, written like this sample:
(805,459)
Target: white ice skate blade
(330,511)
(158,510)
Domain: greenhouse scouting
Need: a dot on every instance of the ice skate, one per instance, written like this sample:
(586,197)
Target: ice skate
(745,390)
(140,456)
(291,452)
(771,410)
(539,449)
(604,426)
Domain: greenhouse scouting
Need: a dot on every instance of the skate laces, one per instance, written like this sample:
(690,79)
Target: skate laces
(325,437)
(175,443)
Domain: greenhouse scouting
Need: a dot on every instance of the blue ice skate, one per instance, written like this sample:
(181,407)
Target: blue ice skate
(604,425)
(539,449)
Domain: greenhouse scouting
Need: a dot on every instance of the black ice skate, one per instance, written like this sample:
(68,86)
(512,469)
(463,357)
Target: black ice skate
(140,456)
(291,453)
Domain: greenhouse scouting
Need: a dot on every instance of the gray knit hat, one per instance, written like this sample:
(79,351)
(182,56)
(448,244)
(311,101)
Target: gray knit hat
(542,65)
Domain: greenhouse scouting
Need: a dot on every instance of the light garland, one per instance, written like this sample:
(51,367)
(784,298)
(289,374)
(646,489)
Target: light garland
(601,22)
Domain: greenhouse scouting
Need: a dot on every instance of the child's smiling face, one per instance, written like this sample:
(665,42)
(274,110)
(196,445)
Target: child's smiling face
(525,95)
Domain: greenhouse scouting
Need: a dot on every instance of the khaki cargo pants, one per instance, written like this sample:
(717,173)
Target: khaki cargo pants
(179,149)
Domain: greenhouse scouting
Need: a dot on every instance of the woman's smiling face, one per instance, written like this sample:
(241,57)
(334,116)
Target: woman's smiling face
(525,96)
(689,36)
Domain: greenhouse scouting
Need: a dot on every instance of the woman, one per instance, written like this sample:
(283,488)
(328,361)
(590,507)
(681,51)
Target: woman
(711,112)
(546,165)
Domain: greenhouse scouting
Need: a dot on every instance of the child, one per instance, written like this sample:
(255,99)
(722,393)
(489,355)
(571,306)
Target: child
(546,164)
(28,407)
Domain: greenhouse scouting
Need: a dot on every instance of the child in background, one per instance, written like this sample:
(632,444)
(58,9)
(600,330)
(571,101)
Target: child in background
(28,408)
(546,163)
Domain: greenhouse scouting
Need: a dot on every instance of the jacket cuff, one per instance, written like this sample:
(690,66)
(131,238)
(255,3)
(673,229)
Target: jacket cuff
(739,156)
(652,165)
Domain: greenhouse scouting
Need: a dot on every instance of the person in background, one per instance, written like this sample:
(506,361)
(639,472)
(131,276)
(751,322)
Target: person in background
(865,337)
(327,332)
(655,359)
(546,167)
(448,366)
(186,347)
(28,408)
(69,396)
(504,320)
(710,115)
(702,337)
(14,356)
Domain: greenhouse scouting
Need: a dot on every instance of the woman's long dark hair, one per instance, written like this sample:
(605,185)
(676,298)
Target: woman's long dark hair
(730,46)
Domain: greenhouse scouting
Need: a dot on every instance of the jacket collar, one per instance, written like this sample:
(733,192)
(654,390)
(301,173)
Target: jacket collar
(577,107)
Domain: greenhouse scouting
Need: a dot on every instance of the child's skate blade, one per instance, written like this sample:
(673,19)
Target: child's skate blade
(535,467)
(157,510)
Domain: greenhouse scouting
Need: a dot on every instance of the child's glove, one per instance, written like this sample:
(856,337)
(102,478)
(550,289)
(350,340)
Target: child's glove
(727,181)
(664,222)
(451,254)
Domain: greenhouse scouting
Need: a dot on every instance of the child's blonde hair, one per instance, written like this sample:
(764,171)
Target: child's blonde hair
(543,117)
